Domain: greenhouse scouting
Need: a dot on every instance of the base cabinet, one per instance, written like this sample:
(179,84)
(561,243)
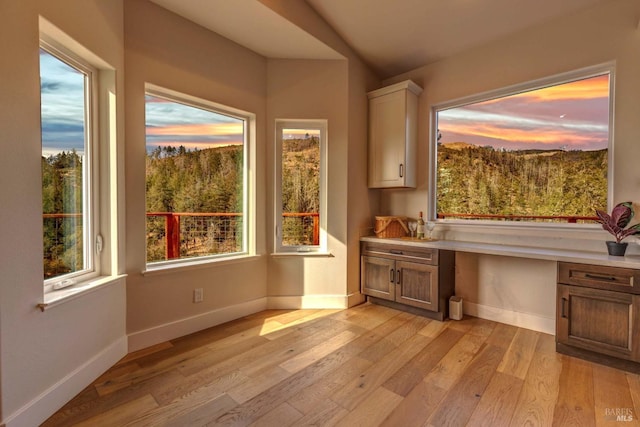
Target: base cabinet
(420,278)
(597,313)
(378,277)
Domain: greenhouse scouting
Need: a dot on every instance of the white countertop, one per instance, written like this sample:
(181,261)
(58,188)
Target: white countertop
(584,257)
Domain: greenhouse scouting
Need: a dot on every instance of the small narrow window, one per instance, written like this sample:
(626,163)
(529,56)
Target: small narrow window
(67,170)
(196,179)
(300,186)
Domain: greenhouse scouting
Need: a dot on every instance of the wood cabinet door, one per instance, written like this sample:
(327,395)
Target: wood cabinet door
(598,320)
(417,285)
(378,277)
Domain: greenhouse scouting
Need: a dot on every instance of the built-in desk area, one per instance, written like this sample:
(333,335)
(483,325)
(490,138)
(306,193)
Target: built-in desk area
(597,295)
(530,252)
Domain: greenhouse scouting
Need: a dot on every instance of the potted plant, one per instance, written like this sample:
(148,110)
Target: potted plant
(615,224)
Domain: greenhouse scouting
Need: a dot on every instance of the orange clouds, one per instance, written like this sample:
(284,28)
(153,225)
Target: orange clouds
(208,129)
(548,137)
(572,114)
(592,88)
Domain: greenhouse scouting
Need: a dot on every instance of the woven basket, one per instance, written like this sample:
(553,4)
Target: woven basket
(391,226)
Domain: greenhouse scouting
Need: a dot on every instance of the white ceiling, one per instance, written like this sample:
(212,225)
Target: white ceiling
(253,25)
(392,36)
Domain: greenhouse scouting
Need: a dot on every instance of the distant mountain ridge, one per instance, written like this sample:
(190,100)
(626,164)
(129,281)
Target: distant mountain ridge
(458,145)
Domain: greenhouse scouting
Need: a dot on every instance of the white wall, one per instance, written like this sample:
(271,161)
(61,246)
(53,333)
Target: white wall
(312,89)
(46,357)
(606,32)
(349,174)
(187,58)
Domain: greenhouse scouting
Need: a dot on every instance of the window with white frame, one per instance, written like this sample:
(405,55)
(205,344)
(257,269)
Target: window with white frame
(197,178)
(539,152)
(69,167)
(300,182)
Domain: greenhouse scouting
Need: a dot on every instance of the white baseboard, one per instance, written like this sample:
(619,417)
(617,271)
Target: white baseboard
(515,318)
(312,301)
(53,398)
(168,331)
(178,328)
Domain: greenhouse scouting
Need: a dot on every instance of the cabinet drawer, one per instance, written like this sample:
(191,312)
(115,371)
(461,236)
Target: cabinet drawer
(600,277)
(401,253)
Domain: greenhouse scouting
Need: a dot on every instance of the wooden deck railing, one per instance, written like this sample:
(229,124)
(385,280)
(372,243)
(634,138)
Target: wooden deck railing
(572,219)
(173,233)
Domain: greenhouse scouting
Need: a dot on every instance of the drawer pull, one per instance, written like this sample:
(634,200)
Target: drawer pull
(392,275)
(395,252)
(564,313)
(597,277)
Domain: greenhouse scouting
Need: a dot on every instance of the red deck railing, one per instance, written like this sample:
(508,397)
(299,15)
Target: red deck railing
(180,228)
(172,235)
(572,219)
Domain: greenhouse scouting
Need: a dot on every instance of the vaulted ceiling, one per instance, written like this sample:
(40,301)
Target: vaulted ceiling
(392,36)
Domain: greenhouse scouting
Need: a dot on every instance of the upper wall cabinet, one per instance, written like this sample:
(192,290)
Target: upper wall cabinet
(393,133)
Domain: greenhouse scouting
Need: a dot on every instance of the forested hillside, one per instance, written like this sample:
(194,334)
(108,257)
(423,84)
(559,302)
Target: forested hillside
(208,180)
(62,194)
(482,180)
(300,189)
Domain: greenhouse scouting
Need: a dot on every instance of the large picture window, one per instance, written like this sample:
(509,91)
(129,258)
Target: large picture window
(68,173)
(196,178)
(537,154)
(300,185)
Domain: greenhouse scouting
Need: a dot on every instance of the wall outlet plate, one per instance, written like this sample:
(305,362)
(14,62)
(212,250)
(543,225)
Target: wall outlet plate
(198,295)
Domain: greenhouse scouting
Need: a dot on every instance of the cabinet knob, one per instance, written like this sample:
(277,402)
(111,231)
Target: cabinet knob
(392,275)
(401,170)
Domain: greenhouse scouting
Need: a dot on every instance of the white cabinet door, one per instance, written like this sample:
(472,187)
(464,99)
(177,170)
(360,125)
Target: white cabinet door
(393,131)
(387,148)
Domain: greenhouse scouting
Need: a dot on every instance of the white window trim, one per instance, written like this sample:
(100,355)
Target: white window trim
(249,178)
(90,174)
(107,169)
(523,227)
(279,248)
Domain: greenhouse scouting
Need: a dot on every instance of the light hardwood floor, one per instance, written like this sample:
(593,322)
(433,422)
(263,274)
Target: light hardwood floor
(365,366)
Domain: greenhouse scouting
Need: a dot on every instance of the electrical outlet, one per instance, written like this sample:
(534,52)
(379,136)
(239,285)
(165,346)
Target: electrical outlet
(198,295)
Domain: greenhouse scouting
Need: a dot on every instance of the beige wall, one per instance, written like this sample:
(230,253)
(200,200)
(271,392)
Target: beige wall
(607,32)
(361,203)
(38,369)
(311,89)
(42,351)
(168,51)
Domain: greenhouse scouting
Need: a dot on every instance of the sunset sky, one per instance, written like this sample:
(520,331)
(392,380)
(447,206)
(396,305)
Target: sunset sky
(62,106)
(167,123)
(174,124)
(573,115)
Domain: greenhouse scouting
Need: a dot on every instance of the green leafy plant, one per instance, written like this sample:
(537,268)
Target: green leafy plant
(617,222)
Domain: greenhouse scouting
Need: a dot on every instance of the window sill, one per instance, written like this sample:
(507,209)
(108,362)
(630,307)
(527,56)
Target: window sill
(196,264)
(302,254)
(61,296)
